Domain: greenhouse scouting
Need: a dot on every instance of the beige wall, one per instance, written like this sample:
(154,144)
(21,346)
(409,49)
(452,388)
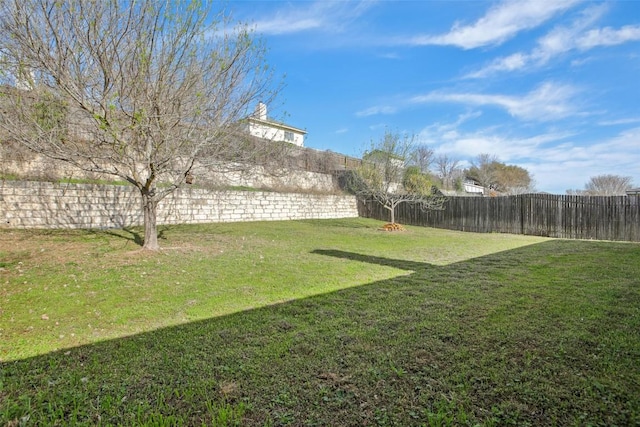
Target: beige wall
(27,204)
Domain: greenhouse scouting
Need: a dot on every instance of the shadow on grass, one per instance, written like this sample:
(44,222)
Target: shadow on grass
(524,337)
(135,235)
(387,262)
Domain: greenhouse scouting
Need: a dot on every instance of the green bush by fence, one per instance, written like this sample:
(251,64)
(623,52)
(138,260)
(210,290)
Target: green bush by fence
(569,217)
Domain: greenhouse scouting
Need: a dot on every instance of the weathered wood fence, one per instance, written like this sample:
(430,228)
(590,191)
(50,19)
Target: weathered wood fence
(569,217)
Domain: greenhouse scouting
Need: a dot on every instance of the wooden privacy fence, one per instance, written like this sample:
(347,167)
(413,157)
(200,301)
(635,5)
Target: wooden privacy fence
(569,217)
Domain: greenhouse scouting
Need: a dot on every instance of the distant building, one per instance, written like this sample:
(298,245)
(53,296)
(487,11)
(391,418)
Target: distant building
(259,125)
(471,187)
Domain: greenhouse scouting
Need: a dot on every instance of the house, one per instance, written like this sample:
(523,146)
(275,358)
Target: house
(259,125)
(471,187)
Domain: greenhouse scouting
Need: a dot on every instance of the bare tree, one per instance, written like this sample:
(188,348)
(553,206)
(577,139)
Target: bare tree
(446,169)
(484,169)
(507,179)
(144,90)
(608,185)
(423,158)
(382,177)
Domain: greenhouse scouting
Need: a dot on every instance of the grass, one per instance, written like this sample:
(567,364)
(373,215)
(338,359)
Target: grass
(307,323)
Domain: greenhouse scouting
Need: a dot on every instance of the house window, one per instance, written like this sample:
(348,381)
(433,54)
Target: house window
(288,136)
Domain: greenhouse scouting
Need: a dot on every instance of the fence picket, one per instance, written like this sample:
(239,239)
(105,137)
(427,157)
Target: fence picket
(570,217)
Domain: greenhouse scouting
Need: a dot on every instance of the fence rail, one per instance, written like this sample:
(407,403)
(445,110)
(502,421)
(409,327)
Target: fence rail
(569,217)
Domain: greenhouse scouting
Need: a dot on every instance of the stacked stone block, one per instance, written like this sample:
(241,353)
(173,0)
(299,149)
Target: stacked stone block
(27,204)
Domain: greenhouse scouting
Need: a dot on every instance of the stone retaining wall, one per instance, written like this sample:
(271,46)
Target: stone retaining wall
(28,204)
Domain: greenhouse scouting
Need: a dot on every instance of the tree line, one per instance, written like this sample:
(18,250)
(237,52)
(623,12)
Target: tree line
(396,169)
(605,185)
(444,171)
(150,91)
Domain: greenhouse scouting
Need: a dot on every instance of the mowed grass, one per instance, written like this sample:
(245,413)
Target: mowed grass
(328,323)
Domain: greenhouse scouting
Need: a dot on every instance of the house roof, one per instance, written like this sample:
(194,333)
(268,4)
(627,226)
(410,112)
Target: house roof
(278,125)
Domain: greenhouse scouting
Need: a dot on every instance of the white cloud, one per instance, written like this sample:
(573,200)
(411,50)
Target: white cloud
(306,16)
(557,160)
(549,101)
(507,148)
(499,24)
(451,138)
(608,37)
(563,39)
(372,111)
(569,166)
(378,126)
(437,132)
(390,55)
(517,61)
(287,25)
(626,121)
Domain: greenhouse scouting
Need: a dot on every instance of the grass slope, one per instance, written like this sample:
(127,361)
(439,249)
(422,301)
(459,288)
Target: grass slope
(317,323)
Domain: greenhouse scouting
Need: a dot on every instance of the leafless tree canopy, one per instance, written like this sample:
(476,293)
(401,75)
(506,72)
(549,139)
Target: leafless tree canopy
(507,179)
(605,185)
(447,168)
(380,177)
(483,170)
(140,89)
(423,157)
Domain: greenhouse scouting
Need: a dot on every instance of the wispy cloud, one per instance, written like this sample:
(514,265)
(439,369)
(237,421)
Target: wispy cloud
(437,132)
(500,23)
(511,149)
(608,37)
(307,16)
(557,159)
(563,39)
(455,140)
(549,101)
(625,121)
(373,111)
(559,168)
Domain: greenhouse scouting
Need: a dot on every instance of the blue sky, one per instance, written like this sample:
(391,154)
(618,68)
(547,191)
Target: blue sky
(551,86)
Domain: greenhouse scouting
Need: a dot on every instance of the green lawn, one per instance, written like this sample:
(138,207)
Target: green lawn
(327,323)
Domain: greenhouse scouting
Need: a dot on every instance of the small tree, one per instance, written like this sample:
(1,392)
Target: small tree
(382,177)
(417,182)
(144,90)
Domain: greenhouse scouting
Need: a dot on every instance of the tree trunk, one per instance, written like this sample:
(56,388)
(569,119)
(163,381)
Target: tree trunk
(391,213)
(149,207)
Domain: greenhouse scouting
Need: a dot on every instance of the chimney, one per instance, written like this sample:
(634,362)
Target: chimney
(261,111)
(25,79)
